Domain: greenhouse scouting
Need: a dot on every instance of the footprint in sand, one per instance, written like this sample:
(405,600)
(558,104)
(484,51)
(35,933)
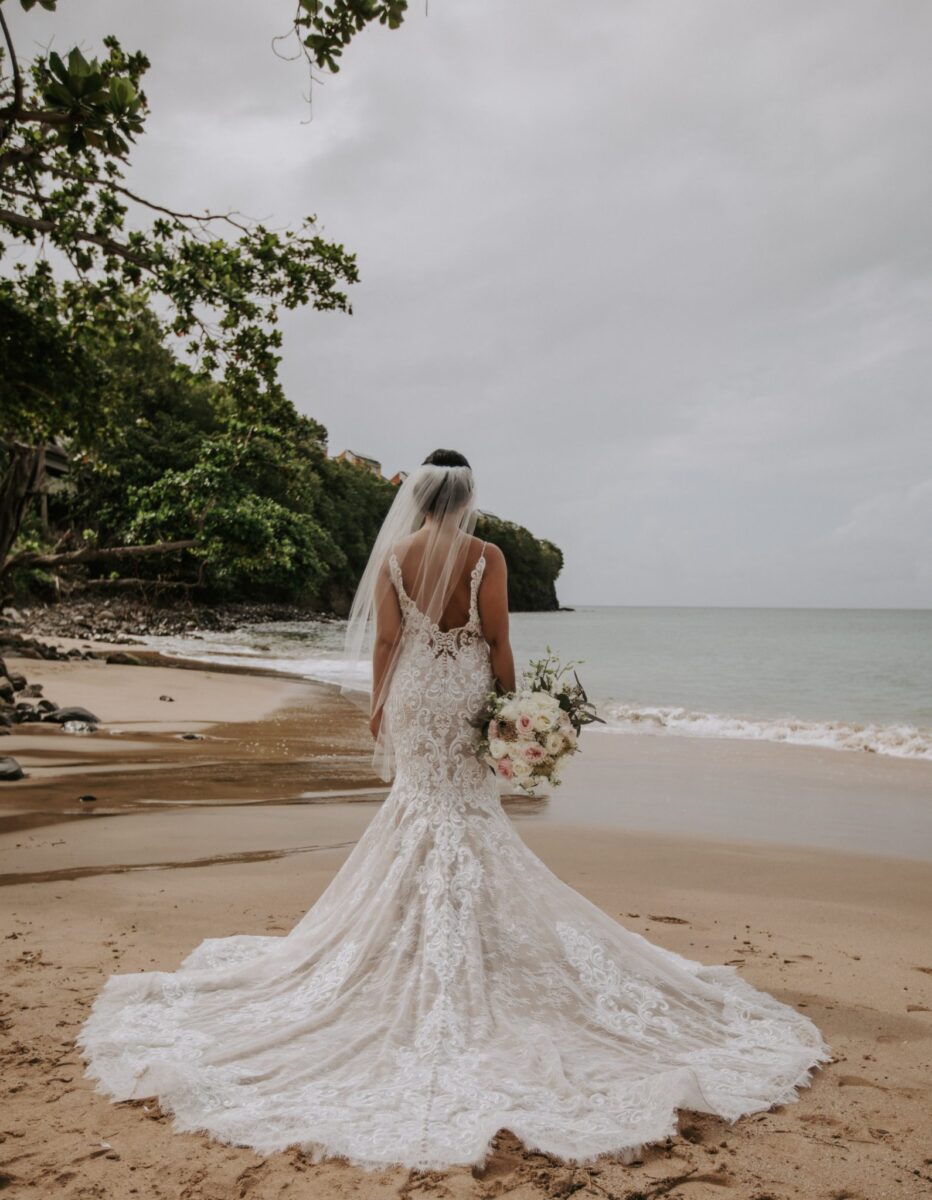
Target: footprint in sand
(668,920)
(857,1081)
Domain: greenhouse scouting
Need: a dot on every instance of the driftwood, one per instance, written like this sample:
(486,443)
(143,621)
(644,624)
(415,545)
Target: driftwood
(145,585)
(34,558)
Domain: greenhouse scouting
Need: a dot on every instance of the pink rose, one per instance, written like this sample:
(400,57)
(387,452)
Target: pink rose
(525,724)
(504,770)
(534,753)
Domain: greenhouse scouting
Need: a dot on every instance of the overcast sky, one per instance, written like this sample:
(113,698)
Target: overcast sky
(662,270)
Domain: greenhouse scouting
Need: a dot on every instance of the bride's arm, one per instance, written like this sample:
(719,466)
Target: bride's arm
(493,613)
(387,637)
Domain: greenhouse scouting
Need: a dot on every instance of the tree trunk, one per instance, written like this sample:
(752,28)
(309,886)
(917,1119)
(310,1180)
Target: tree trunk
(23,477)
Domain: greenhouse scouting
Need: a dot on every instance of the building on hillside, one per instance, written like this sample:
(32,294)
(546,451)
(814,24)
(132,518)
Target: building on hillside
(398,478)
(359,460)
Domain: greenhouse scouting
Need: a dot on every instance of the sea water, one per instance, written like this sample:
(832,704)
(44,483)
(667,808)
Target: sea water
(850,679)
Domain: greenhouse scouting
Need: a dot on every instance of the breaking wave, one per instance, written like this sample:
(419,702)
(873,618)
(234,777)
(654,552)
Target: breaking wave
(897,741)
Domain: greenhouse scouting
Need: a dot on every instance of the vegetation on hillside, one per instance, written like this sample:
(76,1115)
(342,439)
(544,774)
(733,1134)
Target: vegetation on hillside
(191,474)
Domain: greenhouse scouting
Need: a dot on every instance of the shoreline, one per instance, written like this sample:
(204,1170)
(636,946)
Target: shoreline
(176,733)
(241,832)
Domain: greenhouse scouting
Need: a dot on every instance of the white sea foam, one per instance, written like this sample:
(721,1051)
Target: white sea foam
(209,649)
(898,741)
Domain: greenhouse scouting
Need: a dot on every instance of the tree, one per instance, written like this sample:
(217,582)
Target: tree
(66,128)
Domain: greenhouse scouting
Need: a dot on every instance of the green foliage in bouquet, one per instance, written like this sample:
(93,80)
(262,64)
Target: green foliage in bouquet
(549,675)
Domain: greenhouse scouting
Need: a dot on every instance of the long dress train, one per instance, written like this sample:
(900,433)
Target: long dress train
(446,985)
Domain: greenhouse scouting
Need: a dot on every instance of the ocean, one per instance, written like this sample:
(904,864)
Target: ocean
(848,679)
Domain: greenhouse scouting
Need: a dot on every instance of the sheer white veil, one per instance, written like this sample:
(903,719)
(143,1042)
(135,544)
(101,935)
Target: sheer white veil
(428,531)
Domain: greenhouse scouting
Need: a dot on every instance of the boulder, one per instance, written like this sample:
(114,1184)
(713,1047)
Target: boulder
(121,658)
(10,770)
(28,689)
(72,713)
(6,688)
(19,681)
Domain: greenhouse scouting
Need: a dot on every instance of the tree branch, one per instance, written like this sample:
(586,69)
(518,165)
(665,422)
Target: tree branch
(22,154)
(41,226)
(38,116)
(170,212)
(17,77)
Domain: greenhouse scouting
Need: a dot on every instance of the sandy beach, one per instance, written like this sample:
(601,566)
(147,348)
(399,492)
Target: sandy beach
(811,870)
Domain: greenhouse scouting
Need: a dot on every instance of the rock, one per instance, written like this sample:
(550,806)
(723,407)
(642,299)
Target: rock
(27,689)
(19,681)
(10,770)
(72,713)
(5,719)
(6,688)
(191,737)
(170,699)
(88,799)
(121,658)
(12,614)
(46,706)
(79,727)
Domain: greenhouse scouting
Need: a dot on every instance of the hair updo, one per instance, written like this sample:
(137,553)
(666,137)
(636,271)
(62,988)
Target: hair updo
(441,492)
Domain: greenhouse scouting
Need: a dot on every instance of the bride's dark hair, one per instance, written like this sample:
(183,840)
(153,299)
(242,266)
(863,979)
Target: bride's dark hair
(446,458)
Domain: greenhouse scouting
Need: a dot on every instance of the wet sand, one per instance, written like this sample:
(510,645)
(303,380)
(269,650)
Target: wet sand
(242,831)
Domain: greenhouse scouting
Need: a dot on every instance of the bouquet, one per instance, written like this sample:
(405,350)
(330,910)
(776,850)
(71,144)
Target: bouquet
(526,734)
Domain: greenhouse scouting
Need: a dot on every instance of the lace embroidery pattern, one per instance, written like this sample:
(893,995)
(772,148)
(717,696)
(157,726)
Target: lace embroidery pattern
(444,986)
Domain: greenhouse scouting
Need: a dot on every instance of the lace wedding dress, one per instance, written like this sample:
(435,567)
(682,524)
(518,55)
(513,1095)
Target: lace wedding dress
(446,985)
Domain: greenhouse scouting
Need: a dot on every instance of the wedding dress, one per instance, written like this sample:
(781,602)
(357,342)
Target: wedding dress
(445,986)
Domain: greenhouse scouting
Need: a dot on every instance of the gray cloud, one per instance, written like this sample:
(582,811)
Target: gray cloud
(662,270)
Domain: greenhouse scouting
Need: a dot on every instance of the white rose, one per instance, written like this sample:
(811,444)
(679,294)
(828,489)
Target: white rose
(521,768)
(509,710)
(498,748)
(542,722)
(554,743)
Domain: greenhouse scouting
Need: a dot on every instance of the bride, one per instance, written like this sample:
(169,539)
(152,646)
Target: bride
(446,985)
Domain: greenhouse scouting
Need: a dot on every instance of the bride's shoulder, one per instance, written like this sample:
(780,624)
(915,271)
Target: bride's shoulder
(403,544)
(493,556)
